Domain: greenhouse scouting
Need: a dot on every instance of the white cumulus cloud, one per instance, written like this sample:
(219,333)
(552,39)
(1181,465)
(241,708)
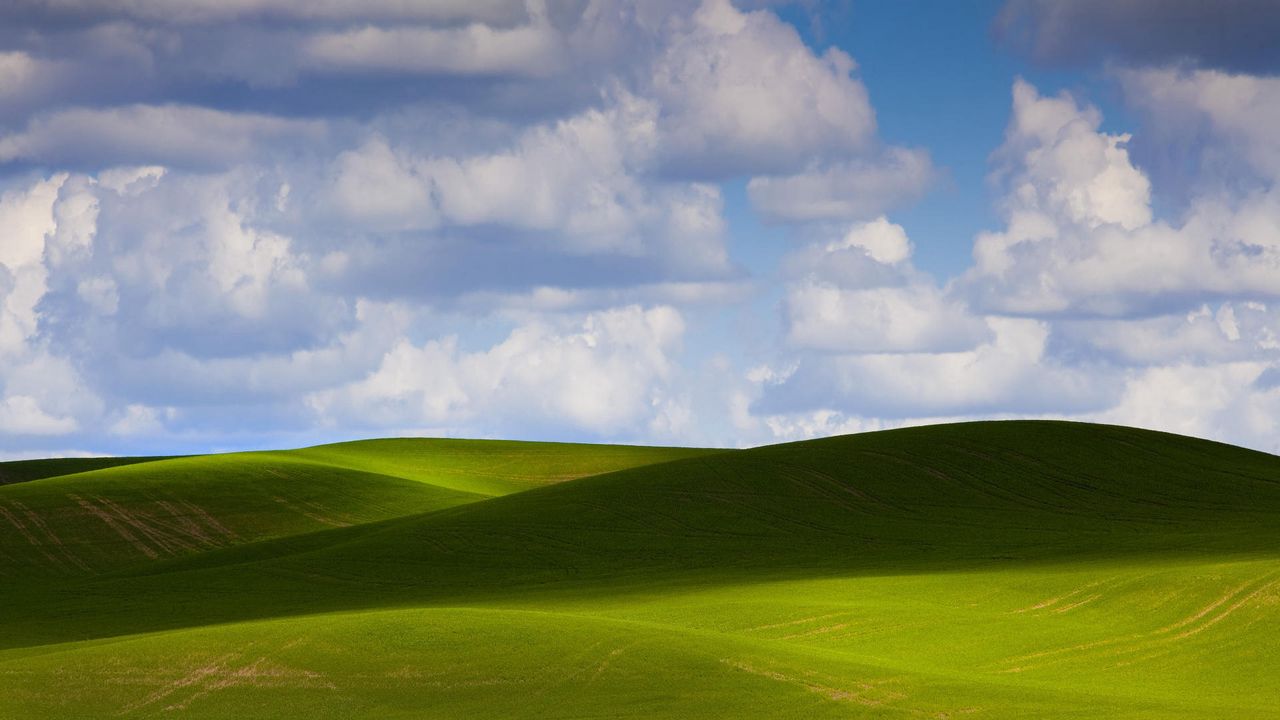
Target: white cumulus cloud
(1080,235)
(602,375)
(742,93)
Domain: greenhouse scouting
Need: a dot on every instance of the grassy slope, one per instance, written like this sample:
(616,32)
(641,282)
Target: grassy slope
(488,467)
(87,517)
(991,570)
(17,471)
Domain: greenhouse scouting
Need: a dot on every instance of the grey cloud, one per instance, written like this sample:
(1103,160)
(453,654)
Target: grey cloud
(104,64)
(186,12)
(1228,332)
(1229,34)
(857,189)
(496,263)
(359,62)
(1205,133)
(831,385)
(141,134)
(529,50)
(301,59)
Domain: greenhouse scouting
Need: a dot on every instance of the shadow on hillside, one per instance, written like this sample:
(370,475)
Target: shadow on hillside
(958,498)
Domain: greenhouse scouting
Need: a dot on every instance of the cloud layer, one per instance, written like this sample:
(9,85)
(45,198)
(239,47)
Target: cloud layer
(1236,35)
(1086,304)
(265,222)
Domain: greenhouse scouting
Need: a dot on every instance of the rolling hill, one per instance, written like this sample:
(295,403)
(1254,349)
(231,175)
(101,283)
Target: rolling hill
(987,570)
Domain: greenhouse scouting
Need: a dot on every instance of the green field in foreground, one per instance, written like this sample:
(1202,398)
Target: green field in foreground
(977,570)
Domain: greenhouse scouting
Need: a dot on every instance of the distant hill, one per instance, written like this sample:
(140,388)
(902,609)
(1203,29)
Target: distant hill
(998,569)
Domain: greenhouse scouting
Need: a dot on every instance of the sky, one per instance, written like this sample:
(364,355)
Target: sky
(244,224)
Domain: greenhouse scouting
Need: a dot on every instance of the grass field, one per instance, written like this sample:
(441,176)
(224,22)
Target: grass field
(980,570)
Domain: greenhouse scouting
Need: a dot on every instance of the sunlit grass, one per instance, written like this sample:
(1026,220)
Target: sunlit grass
(979,570)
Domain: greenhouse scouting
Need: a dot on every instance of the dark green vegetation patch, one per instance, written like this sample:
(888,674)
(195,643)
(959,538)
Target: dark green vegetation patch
(986,570)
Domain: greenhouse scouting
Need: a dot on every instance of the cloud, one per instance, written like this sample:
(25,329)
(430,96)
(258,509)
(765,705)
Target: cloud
(141,265)
(24,78)
(1216,401)
(212,11)
(1124,317)
(376,188)
(855,189)
(1233,331)
(578,174)
(1081,237)
(1229,34)
(859,321)
(882,241)
(44,454)
(517,59)
(197,303)
(742,94)
(860,294)
(578,185)
(1010,373)
(560,299)
(228,223)
(137,420)
(1210,130)
(140,134)
(602,375)
(1065,167)
(22,415)
(876,320)
(200,388)
(530,50)
(40,393)
(27,217)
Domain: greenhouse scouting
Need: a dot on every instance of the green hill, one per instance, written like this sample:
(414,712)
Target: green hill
(91,516)
(23,470)
(1011,569)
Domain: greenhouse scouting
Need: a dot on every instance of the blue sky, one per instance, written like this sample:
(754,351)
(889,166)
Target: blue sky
(275,223)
